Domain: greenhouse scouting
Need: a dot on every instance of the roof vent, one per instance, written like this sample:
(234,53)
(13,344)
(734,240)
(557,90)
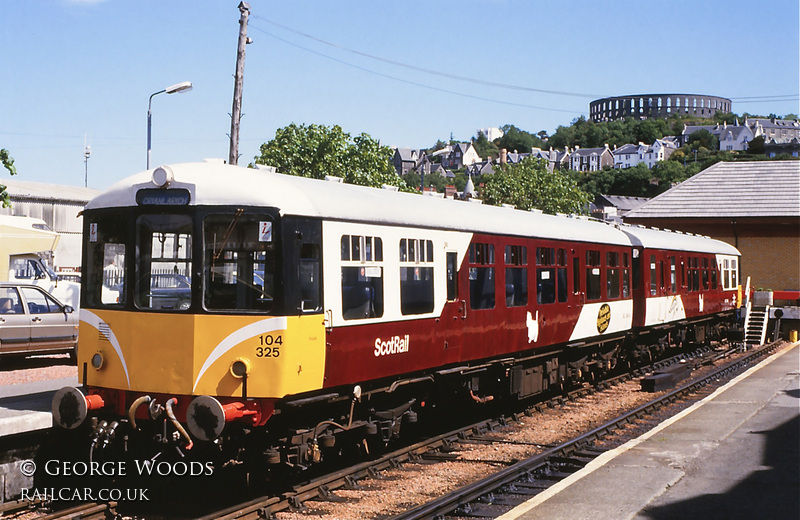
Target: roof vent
(388,187)
(509,206)
(537,211)
(331,178)
(266,168)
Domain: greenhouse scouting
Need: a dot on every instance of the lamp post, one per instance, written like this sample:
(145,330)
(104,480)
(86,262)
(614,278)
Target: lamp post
(186,86)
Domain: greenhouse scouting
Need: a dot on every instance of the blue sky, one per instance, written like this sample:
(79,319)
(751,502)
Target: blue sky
(87,68)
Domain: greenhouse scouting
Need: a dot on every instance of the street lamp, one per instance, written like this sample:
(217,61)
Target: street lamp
(186,86)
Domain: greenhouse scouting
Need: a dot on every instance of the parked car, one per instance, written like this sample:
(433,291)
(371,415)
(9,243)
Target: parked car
(32,321)
(170,291)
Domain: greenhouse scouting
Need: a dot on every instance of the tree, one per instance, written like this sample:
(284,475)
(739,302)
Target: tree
(318,150)
(528,184)
(484,147)
(516,139)
(8,164)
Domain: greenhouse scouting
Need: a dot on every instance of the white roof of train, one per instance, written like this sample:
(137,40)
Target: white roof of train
(216,183)
(652,238)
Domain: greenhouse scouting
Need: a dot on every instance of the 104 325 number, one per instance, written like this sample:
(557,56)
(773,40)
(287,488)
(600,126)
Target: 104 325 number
(269,346)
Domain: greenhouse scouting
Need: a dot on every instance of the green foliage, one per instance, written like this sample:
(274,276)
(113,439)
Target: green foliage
(703,139)
(318,150)
(756,146)
(519,140)
(484,147)
(8,163)
(528,184)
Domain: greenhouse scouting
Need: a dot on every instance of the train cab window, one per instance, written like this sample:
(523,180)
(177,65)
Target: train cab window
(310,278)
(105,269)
(163,262)
(240,254)
(481,276)
(593,284)
(362,277)
(516,260)
(545,275)
(612,275)
(416,276)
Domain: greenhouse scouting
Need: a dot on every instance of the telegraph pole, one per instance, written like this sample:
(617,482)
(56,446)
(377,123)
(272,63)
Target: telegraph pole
(236,113)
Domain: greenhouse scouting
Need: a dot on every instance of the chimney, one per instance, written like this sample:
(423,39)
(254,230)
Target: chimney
(503,156)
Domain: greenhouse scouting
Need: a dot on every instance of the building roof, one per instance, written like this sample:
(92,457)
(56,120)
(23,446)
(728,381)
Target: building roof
(50,192)
(620,202)
(627,149)
(731,189)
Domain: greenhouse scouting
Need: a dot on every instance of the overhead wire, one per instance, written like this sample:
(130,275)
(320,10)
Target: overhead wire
(402,80)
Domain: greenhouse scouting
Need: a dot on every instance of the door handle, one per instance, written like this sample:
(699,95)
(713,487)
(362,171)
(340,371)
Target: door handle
(36,319)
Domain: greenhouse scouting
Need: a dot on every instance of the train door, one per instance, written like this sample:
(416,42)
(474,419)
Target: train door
(454,314)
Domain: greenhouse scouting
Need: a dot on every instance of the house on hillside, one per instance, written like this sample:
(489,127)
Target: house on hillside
(730,137)
(778,130)
(405,160)
(754,206)
(461,155)
(590,159)
(481,168)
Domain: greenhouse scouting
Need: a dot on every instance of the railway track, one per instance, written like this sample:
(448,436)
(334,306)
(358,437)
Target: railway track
(512,484)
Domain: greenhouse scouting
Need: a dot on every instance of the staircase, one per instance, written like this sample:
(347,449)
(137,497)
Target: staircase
(755,325)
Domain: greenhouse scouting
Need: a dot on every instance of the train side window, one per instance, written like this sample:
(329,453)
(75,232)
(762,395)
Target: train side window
(452,275)
(734,283)
(310,277)
(612,275)
(705,274)
(626,276)
(653,277)
(695,272)
(726,274)
(576,275)
(416,276)
(516,259)
(714,269)
(545,275)
(481,276)
(362,278)
(673,281)
(593,278)
(561,274)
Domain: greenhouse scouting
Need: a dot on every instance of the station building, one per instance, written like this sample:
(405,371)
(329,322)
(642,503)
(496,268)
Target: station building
(59,206)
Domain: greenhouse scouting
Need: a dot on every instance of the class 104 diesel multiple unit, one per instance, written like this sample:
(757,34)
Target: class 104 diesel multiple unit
(233,314)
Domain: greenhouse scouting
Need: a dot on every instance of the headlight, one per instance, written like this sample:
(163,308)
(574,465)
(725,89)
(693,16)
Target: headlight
(240,368)
(97,361)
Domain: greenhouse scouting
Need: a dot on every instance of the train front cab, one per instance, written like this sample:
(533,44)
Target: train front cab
(195,315)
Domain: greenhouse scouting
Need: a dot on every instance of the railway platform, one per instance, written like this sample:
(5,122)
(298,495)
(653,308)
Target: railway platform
(26,407)
(735,454)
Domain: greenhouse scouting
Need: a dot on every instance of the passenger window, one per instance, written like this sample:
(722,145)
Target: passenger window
(481,276)
(673,281)
(653,276)
(612,275)
(545,275)
(625,276)
(452,276)
(593,286)
(516,260)
(416,276)
(362,280)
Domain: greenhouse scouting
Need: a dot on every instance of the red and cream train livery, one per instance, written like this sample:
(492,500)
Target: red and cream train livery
(219,300)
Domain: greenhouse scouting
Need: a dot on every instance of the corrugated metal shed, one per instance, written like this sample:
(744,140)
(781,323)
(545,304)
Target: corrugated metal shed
(731,189)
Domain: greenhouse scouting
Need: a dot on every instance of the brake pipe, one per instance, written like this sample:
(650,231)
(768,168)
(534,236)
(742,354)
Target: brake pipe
(134,406)
(177,424)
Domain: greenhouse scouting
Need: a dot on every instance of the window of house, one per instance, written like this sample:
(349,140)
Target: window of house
(362,277)
(516,260)
(416,276)
(481,276)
